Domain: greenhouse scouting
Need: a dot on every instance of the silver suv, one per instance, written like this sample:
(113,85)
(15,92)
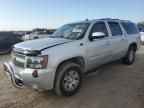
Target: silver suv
(60,61)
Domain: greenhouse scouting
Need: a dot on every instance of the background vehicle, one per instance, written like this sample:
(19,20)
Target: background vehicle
(7,40)
(60,61)
(38,33)
(142,36)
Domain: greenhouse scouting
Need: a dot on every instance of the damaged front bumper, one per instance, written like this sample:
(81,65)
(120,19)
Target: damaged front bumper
(16,81)
(24,76)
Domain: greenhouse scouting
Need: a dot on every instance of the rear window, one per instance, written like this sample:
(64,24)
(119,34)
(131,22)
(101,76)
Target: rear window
(130,28)
(115,29)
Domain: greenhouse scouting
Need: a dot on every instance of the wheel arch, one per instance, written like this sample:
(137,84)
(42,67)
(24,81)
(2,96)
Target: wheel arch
(134,44)
(78,60)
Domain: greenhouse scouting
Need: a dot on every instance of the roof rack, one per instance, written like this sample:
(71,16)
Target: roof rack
(109,19)
(115,19)
(105,19)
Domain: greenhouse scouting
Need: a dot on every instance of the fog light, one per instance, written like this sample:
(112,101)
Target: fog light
(35,74)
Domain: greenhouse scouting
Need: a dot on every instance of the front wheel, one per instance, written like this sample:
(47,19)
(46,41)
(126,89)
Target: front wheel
(130,57)
(68,79)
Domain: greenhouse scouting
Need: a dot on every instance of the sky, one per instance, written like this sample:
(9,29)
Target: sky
(29,14)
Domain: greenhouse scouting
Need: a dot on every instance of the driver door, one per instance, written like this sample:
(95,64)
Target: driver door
(99,50)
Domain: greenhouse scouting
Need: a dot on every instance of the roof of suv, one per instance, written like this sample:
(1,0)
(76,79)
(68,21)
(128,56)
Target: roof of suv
(102,19)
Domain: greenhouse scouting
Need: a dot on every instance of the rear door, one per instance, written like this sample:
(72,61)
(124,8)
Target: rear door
(118,40)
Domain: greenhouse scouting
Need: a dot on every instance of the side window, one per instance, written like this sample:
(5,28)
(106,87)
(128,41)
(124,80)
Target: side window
(130,28)
(99,27)
(115,28)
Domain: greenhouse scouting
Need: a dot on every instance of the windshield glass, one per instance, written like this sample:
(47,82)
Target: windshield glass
(71,31)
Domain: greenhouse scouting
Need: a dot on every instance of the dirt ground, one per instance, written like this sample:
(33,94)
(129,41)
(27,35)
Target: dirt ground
(115,86)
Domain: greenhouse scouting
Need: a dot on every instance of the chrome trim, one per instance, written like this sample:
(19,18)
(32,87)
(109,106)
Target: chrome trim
(9,72)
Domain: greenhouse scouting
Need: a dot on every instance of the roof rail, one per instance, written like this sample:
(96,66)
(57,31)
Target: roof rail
(115,19)
(126,20)
(105,19)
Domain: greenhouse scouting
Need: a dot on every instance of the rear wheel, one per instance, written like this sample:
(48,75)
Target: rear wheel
(68,79)
(130,57)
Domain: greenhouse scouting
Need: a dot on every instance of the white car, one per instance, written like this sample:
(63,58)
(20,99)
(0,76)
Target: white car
(142,36)
(60,61)
(36,35)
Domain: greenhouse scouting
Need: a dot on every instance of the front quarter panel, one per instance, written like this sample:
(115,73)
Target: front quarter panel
(60,53)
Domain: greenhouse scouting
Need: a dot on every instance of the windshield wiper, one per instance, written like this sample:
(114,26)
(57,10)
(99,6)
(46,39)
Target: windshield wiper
(51,36)
(61,36)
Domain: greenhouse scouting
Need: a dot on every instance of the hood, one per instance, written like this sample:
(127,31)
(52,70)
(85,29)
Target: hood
(41,44)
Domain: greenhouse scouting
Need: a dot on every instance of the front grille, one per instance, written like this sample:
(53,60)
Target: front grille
(18,60)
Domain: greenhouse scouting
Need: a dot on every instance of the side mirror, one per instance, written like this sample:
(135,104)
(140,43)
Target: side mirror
(97,35)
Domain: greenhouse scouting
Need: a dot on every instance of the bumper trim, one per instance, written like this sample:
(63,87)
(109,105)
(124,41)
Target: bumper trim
(9,72)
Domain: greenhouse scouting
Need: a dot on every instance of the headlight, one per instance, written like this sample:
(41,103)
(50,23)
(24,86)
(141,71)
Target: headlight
(39,62)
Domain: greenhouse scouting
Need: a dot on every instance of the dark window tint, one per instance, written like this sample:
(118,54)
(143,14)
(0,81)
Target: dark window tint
(100,27)
(130,28)
(115,29)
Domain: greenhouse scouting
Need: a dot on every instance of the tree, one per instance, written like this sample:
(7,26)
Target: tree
(39,29)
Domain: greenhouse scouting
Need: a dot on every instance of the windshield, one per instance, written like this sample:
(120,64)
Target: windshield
(71,31)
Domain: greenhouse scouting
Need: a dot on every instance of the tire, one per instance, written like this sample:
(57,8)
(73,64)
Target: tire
(68,79)
(35,37)
(130,56)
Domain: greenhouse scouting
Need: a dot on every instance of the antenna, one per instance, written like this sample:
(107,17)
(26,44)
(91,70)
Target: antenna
(87,19)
